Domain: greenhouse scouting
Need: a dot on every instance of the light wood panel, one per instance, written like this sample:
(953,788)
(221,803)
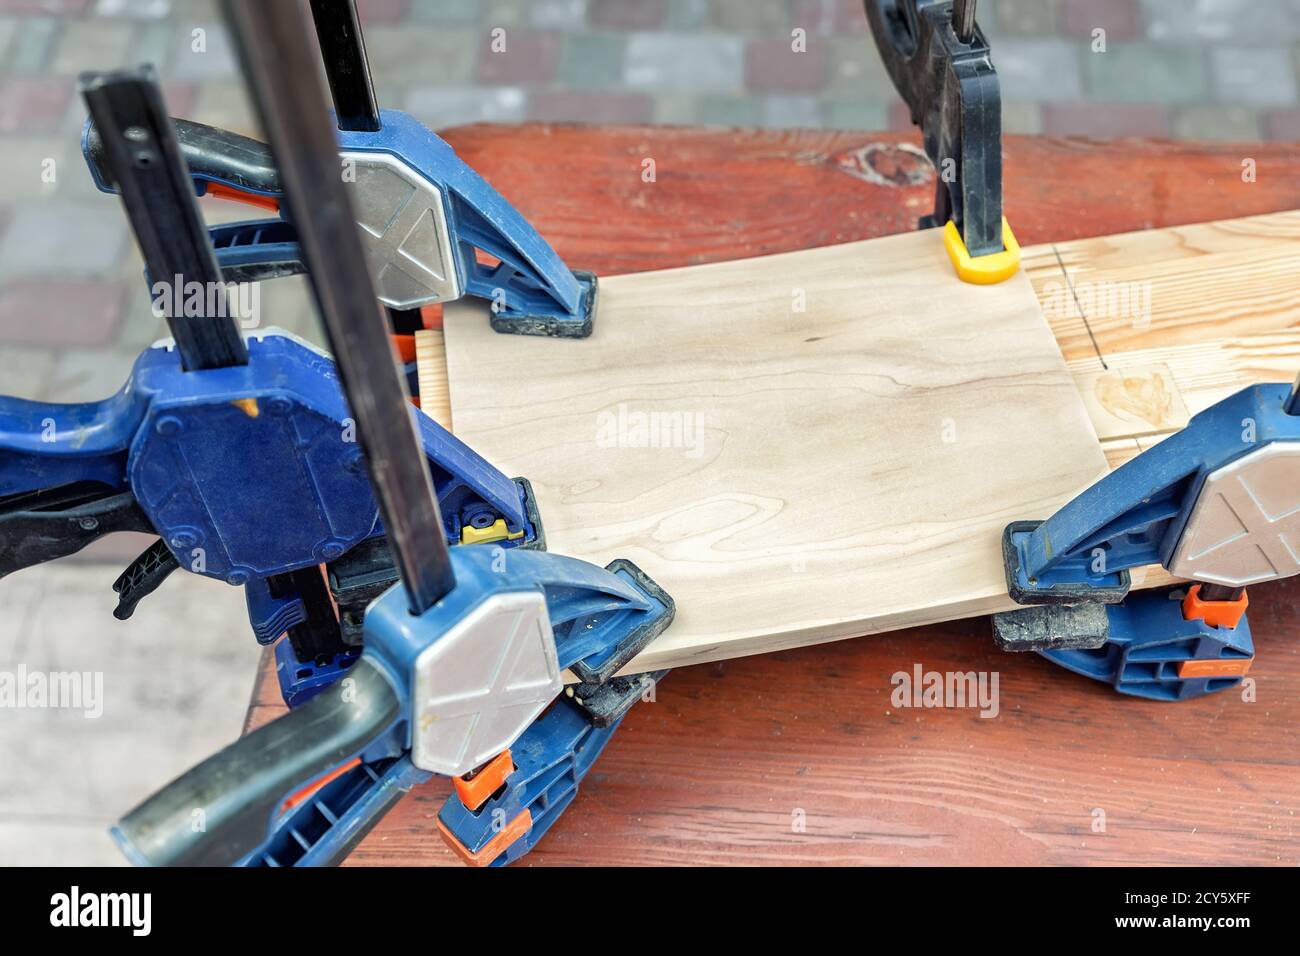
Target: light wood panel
(1215,305)
(800,448)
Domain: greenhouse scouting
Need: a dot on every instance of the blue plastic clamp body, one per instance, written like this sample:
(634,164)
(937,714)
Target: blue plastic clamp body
(591,610)
(551,758)
(529,280)
(245,472)
(1135,515)
(1149,640)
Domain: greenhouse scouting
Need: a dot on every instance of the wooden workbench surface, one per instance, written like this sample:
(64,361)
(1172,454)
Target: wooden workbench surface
(800,756)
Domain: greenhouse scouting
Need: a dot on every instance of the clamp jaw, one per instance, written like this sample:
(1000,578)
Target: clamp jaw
(1215,503)
(941,65)
(427,219)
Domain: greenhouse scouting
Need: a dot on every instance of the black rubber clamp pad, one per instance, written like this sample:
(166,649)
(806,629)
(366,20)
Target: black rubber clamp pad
(534,516)
(1066,593)
(606,703)
(573,327)
(641,636)
(1052,627)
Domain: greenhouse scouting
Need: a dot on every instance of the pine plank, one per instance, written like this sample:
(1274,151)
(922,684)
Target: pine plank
(431,373)
(1223,306)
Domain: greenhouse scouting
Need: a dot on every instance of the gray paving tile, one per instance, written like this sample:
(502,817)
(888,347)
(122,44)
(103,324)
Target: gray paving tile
(33,45)
(1023,18)
(1217,21)
(856,114)
(1022,118)
(729,111)
(225,103)
(505,12)
(153,44)
(134,9)
(769,17)
(441,107)
(25,371)
(62,238)
(448,11)
(792,112)
(8,30)
(93,45)
(1253,76)
(1144,73)
(558,14)
(140,327)
(199,10)
(202,51)
(1044,70)
(676,109)
(856,69)
(593,60)
(687,14)
(43,842)
(414,54)
(38,167)
(88,375)
(678,62)
(1228,123)
(175,682)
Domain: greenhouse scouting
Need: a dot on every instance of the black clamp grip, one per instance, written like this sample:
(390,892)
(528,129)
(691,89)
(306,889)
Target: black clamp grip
(949,84)
(211,154)
(39,526)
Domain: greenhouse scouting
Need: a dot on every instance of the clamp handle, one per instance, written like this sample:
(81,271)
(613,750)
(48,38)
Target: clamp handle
(240,167)
(225,165)
(139,148)
(222,810)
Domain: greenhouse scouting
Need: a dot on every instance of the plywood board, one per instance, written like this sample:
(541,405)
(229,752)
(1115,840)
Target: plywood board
(800,448)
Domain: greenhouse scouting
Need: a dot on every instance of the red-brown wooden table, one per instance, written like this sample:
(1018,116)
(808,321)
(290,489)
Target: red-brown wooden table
(798,757)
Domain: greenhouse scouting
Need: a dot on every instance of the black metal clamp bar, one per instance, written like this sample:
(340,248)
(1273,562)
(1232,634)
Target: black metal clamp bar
(141,153)
(282,71)
(342,47)
(347,69)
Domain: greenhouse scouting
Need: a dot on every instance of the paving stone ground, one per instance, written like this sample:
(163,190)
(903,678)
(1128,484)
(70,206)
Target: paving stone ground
(73,312)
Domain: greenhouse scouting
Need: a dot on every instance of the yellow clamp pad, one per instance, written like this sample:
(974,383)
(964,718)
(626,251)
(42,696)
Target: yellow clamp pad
(497,531)
(984,270)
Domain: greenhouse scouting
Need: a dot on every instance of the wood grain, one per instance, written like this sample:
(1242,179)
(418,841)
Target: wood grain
(431,373)
(799,448)
(720,195)
(1215,303)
